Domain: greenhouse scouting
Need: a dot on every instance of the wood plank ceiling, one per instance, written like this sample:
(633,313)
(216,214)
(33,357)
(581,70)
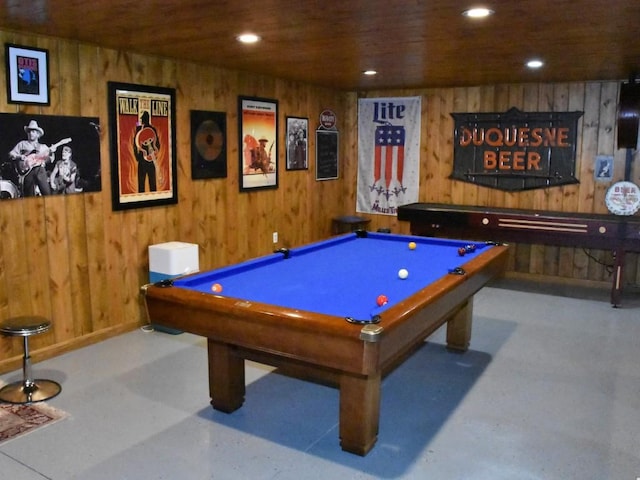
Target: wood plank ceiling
(410,43)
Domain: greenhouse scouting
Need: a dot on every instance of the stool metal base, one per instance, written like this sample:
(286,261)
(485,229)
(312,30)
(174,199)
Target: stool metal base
(27,390)
(38,390)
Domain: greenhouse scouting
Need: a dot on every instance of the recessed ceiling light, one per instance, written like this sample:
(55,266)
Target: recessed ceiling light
(535,63)
(369,72)
(478,12)
(248,38)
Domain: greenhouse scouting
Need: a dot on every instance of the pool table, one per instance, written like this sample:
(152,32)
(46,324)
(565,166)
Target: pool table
(313,313)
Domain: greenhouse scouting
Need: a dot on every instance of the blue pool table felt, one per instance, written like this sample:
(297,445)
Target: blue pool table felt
(342,276)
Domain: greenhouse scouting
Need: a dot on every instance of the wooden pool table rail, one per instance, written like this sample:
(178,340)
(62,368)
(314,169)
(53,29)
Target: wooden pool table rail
(320,347)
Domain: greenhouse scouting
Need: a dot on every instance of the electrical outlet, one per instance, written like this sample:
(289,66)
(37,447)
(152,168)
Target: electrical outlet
(275,237)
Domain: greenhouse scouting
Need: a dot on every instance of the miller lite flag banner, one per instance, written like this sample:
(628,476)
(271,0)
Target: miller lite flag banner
(388,153)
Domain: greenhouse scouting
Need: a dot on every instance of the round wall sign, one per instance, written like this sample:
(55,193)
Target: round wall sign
(328,119)
(623,198)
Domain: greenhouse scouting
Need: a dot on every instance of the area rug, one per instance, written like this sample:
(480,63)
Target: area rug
(18,420)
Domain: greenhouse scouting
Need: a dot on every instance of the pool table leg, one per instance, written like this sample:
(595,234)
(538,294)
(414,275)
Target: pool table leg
(459,328)
(226,377)
(359,412)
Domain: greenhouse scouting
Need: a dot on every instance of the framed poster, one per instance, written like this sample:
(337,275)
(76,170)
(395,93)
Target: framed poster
(296,139)
(208,144)
(49,155)
(143,140)
(258,138)
(27,74)
(327,142)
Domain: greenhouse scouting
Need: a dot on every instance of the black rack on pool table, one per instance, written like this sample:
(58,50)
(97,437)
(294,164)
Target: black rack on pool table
(619,234)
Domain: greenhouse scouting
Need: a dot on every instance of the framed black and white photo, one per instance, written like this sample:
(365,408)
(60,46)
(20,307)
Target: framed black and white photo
(27,74)
(49,155)
(297,143)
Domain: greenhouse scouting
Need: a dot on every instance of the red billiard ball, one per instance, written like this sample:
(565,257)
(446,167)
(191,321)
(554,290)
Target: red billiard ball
(462,251)
(216,287)
(382,300)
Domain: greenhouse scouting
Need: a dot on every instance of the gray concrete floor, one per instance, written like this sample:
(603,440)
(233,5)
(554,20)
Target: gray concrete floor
(549,390)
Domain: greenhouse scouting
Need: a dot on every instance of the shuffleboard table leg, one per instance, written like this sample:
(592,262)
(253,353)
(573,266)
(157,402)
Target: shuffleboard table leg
(618,278)
(359,412)
(226,377)
(459,328)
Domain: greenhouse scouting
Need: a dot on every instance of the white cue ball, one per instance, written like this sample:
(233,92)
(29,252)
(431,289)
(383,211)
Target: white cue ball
(403,273)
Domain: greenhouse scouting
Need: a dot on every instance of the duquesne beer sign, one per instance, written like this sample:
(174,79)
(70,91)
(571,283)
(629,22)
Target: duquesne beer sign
(515,150)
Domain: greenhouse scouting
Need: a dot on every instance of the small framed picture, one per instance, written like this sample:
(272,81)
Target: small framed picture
(603,171)
(27,74)
(297,134)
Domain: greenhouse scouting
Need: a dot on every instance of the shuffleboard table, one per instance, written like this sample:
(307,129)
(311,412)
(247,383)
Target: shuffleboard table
(618,234)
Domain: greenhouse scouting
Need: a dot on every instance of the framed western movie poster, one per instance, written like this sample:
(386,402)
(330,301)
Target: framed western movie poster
(143,146)
(258,138)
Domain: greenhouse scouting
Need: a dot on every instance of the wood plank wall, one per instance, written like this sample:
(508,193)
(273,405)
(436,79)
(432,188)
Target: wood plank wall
(596,136)
(74,260)
(79,263)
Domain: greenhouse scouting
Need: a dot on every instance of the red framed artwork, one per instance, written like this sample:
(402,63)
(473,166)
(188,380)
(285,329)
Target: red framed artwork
(143,140)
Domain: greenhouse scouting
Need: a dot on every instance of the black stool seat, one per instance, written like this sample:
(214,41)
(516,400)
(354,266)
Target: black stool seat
(24,326)
(348,223)
(28,390)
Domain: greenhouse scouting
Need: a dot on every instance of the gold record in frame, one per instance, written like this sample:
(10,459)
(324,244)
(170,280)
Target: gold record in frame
(209,140)
(208,144)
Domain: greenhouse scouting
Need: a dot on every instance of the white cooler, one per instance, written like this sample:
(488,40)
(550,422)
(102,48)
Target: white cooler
(170,260)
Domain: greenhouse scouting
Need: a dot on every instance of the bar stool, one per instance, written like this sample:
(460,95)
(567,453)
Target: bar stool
(348,223)
(28,390)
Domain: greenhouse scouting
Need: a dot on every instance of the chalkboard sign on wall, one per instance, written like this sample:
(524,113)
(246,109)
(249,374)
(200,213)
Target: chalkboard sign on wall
(326,154)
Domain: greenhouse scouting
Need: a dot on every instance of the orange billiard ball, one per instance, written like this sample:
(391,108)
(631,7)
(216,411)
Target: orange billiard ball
(382,300)
(216,287)
(412,245)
